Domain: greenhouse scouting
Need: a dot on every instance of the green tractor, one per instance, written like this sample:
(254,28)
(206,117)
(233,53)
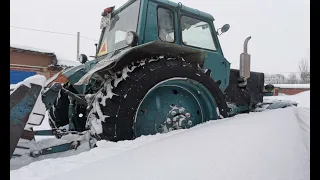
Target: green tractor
(158,67)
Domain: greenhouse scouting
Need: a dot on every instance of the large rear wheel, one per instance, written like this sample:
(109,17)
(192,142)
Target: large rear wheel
(156,96)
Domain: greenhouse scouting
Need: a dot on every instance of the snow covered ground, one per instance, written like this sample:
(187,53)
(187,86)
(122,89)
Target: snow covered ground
(303,98)
(267,145)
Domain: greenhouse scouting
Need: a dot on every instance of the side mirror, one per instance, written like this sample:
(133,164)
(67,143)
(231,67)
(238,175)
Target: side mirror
(224,29)
(83,58)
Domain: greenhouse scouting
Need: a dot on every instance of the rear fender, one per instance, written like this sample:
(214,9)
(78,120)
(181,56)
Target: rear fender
(118,59)
(72,75)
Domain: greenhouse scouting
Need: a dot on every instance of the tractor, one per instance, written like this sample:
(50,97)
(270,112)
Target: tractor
(158,67)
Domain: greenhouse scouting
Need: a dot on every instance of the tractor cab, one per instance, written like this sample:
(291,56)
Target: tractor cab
(133,24)
(166,28)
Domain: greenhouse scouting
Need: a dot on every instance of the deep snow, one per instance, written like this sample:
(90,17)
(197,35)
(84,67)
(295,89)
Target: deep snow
(267,145)
(303,98)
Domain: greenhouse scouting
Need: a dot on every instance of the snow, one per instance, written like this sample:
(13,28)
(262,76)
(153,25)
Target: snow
(67,63)
(303,98)
(14,86)
(36,79)
(30,48)
(293,86)
(265,145)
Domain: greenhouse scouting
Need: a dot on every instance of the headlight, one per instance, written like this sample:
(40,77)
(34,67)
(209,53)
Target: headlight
(83,58)
(131,38)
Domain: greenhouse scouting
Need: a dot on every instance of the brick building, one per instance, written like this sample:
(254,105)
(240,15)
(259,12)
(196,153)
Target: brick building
(290,89)
(274,78)
(27,61)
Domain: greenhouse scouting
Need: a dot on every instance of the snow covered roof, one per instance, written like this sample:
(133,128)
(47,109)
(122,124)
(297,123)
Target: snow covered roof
(293,86)
(60,60)
(27,48)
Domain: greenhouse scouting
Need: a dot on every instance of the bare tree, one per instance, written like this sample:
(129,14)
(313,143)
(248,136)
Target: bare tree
(304,70)
(292,79)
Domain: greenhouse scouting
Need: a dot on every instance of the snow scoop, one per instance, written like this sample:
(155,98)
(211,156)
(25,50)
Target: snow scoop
(22,101)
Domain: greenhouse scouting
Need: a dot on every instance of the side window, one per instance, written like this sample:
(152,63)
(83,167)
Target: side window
(165,25)
(196,33)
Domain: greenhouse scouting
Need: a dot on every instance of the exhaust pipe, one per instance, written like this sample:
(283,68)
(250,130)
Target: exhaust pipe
(245,63)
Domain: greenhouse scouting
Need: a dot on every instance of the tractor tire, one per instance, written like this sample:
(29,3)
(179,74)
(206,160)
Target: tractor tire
(117,112)
(58,114)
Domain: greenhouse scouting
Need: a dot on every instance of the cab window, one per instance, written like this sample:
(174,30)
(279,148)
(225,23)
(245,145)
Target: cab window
(165,25)
(197,33)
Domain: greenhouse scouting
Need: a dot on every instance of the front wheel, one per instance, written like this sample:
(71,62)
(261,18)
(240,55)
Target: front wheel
(158,96)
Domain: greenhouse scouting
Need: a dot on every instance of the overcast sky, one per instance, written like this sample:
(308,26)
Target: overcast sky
(280,29)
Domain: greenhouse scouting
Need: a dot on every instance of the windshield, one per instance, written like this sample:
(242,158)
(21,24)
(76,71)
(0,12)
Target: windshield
(113,36)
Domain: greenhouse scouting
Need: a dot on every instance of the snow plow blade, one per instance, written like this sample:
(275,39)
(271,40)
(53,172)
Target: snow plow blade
(269,104)
(22,101)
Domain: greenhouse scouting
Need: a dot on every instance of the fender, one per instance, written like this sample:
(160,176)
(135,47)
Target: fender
(116,60)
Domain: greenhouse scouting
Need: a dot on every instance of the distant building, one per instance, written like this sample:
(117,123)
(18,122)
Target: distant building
(289,89)
(274,79)
(27,61)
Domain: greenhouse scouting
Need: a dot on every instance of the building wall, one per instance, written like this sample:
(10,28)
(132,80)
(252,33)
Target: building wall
(288,91)
(17,76)
(274,78)
(292,91)
(30,59)
(25,62)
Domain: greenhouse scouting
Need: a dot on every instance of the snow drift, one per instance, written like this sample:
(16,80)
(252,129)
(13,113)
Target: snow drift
(273,144)
(266,145)
(303,98)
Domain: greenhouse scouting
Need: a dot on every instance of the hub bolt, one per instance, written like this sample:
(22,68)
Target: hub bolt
(169,121)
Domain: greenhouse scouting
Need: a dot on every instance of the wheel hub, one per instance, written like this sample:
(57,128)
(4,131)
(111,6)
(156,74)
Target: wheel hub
(177,118)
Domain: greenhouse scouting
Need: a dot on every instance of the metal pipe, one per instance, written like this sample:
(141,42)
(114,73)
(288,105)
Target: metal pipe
(245,45)
(96,50)
(244,70)
(78,45)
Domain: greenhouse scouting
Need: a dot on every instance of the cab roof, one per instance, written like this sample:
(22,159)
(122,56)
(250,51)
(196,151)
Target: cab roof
(172,4)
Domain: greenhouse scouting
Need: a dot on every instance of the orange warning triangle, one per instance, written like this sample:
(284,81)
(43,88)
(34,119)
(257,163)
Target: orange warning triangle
(103,49)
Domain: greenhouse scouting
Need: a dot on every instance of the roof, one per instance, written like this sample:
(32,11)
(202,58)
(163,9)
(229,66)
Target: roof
(31,49)
(188,9)
(59,60)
